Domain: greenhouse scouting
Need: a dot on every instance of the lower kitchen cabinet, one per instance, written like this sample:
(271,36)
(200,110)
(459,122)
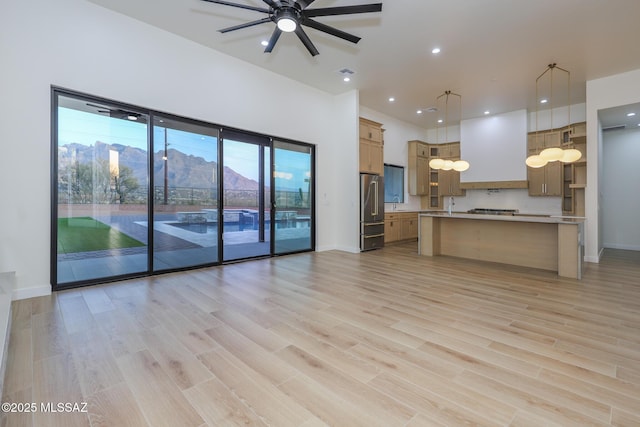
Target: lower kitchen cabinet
(409,227)
(399,226)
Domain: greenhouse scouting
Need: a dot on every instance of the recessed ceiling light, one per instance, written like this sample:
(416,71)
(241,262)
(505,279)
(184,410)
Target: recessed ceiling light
(419,112)
(435,50)
(432,110)
(392,99)
(487,112)
(544,101)
(264,42)
(440,120)
(346,73)
(631,114)
(132,117)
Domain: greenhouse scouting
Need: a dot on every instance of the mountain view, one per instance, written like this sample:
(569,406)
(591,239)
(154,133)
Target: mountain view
(184,170)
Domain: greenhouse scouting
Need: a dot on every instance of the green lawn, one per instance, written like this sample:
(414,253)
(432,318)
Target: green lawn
(85,234)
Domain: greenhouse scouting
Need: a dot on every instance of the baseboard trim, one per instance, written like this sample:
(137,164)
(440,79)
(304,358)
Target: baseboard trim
(32,292)
(7,284)
(619,246)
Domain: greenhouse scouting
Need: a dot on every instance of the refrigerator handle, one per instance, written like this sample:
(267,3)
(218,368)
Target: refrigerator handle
(374,211)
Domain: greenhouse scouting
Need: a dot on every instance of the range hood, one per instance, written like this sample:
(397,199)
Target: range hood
(489,185)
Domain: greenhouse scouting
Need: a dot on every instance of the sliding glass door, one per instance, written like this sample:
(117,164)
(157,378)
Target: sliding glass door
(185,194)
(136,192)
(246,162)
(101,165)
(293,202)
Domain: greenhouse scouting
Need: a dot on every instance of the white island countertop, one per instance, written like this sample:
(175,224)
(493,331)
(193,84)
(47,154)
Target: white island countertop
(547,219)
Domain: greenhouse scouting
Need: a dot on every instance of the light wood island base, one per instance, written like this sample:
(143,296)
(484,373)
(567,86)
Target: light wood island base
(548,243)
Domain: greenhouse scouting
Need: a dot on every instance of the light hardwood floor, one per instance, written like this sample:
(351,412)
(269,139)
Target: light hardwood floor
(384,338)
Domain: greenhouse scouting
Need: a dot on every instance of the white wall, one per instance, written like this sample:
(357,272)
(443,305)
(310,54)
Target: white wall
(495,147)
(557,118)
(607,92)
(396,135)
(81,46)
(620,184)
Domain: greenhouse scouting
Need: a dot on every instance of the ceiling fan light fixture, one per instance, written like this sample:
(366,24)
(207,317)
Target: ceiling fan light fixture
(292,15)
(286,21)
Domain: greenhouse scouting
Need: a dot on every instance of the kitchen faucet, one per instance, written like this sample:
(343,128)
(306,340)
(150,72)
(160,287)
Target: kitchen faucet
(451,204)
(396,200)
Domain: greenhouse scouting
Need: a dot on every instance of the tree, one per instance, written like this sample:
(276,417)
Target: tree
(124,183)
(86,182)
(93,182)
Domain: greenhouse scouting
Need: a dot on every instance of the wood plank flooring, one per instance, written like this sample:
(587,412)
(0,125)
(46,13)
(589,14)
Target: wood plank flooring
(384,338)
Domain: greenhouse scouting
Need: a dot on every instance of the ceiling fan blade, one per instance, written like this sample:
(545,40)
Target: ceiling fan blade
(330,30)
(344,10)
(245,25)
(272,41)
(241,6)
(304,3)
(306,41)
(275,4)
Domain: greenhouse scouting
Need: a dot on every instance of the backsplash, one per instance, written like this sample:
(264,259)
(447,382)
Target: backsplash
(508,199)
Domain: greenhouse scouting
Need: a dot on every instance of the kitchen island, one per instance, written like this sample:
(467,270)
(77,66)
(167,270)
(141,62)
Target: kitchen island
(544,242)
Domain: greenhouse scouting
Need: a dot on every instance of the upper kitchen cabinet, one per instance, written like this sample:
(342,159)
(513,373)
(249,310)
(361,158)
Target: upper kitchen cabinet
(547,180)
(449,180)
(371,147)
(418,168)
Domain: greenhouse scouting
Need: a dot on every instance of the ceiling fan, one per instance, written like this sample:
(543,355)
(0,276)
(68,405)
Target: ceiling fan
(290,15)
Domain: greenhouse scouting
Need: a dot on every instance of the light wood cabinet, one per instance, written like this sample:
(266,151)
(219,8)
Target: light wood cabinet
(371,147)
(433,184)
(400,226)
(449,181)
(418,168)
(409,228)
(575,174)
(392,228)
(547,180)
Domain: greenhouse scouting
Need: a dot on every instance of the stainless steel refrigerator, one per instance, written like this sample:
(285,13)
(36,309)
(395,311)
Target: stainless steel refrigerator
(371,211)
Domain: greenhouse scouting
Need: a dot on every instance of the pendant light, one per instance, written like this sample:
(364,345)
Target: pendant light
(552,154)
(437,163)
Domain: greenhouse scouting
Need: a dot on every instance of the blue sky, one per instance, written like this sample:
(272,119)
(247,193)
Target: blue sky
(86,128)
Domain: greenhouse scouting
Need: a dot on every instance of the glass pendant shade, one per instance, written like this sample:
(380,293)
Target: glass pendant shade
(436,163)
(571,155)
(448,165)
(552,154)
(535,161)
(460,165)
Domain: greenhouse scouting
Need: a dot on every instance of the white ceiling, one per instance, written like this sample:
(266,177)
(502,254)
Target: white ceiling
(492,50)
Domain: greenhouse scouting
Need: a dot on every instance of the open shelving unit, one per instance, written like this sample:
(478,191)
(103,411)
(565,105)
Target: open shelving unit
(575,174)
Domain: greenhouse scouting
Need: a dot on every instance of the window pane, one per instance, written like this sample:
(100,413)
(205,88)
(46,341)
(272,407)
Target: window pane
(293,196)
(246,233)
(102,191)
(393,184)
(185,194)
